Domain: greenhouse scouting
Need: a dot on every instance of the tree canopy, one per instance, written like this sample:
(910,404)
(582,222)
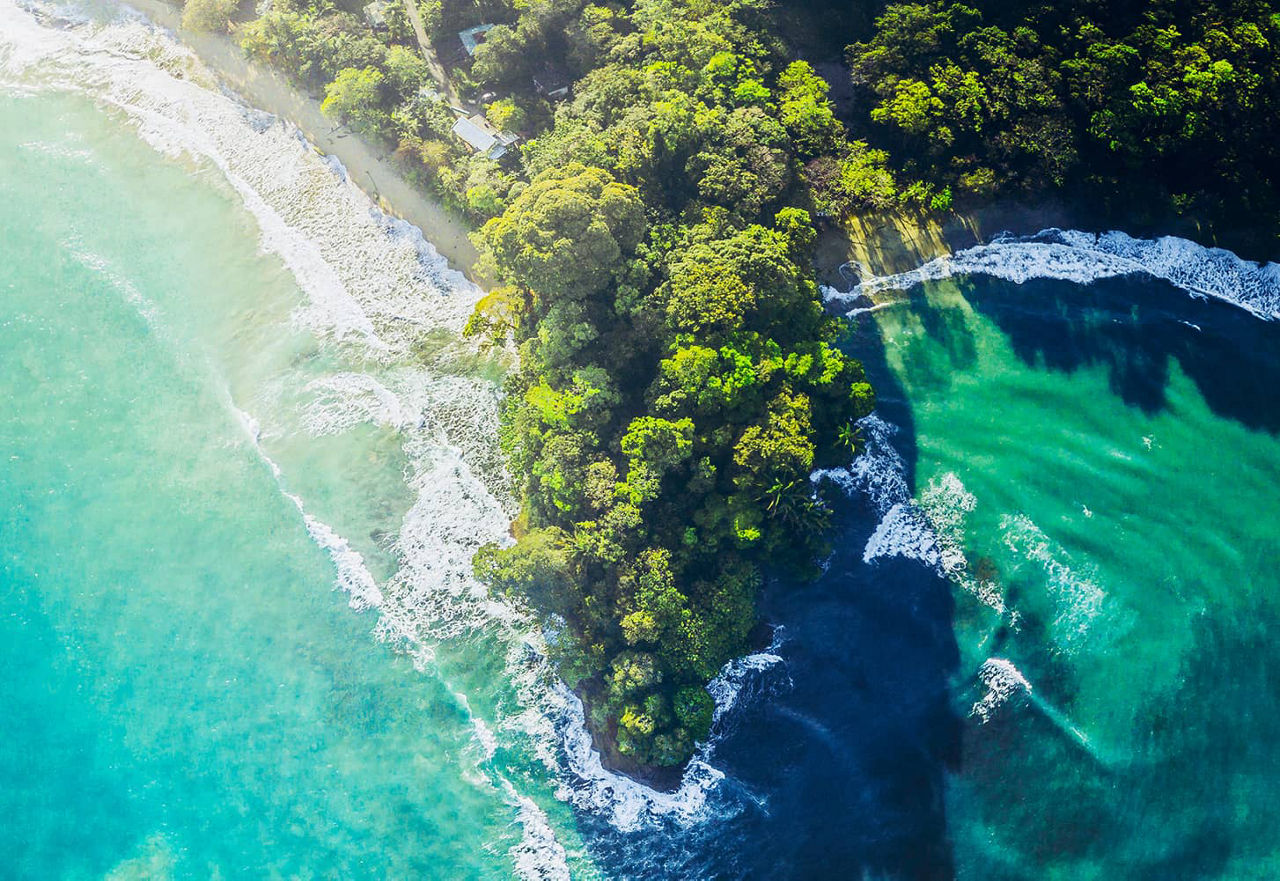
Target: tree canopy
(1161,107)
(677,379)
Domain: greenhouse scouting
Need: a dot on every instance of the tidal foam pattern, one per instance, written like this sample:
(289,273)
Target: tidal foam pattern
(1002,681)
(930,530)
(1084,257)
(376,289)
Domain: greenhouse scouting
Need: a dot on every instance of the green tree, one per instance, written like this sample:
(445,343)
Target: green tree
(806,112)
(406,71)
(568,234)
(208,15)
(355,97)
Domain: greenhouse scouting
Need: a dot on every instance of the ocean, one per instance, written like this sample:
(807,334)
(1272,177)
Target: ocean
(245,458)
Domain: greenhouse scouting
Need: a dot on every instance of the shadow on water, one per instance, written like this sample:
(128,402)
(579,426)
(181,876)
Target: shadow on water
(862,340)
(1134,327)
(1197,797)
(865,736)
(1197,800)
(840,771)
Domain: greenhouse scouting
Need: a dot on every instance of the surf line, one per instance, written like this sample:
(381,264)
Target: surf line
(1003,680)
(1084,257)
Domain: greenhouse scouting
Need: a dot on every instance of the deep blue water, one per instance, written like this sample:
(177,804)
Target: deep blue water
(858,757)
(1117,442)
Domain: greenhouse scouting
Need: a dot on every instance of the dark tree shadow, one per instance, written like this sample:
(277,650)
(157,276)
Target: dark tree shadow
(837,769)
(1136,328)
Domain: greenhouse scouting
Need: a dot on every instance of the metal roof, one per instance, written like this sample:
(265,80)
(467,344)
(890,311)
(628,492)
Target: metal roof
(482,137)
(473,37)
(479,139)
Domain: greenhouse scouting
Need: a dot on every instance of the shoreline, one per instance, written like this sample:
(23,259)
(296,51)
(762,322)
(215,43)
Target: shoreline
(268,90)
(892,242)
(369,167)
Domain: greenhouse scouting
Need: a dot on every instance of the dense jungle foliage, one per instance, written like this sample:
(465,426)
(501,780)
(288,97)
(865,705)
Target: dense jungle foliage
(678,380)
(1158,108)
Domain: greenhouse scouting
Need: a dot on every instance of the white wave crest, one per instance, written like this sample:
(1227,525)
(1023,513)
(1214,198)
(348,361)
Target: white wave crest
(1078,598)
(345,400)
(141,303)
(629,805)
(878,471)
(354,578)
(930,530)
(1084,257)
(375,288)
(905,532)
(538,856)
(367,276)
(1003,681)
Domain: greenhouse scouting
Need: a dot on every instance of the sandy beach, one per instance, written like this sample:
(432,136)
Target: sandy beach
(370,167)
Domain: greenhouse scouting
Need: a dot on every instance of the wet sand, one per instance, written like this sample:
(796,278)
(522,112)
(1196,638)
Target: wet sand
(370,167)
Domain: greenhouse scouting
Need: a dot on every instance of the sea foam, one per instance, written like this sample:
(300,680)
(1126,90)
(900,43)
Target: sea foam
(629,805)
(374,288)
(1084,257)
(1002,680)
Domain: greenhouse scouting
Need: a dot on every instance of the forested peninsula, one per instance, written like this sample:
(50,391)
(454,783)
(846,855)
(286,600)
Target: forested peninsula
(648,179)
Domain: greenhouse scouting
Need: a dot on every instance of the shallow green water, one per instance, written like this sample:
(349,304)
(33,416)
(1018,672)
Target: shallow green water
(1110,473)
(184,692)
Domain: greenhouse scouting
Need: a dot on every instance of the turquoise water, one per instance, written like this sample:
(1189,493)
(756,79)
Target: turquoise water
(185,693)
(1105,461)
(244,460)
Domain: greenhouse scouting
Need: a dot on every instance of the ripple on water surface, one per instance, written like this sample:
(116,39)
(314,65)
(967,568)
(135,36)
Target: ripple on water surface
(1116,444)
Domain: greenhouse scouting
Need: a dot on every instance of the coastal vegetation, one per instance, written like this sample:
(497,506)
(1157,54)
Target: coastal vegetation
(678,380)
(1154,109)
(1128,110)
(654,232)
(208,15)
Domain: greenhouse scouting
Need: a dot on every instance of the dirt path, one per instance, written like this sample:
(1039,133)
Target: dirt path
(438,72)
(369,167)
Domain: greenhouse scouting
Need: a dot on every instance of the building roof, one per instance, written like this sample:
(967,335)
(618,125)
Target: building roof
(483,137)
(473,37)
(552,80)
(376,14)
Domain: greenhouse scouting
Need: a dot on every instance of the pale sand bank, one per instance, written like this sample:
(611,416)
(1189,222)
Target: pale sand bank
(369,167)
(890,242)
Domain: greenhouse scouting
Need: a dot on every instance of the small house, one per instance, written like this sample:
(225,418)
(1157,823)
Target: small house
(480,135)
(376,15)
(472,37)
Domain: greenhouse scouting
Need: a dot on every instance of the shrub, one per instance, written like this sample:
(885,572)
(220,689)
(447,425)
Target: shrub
(208,15)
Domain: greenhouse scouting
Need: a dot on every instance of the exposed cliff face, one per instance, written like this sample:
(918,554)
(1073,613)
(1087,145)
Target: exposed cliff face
(890,242)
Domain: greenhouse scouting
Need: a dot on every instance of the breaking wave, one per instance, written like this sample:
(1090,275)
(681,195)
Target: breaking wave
(930,529)
(375,288)
(354,578)
(1084,257)
(538,856)
(1077,597)
(1002,681)
(630,805)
